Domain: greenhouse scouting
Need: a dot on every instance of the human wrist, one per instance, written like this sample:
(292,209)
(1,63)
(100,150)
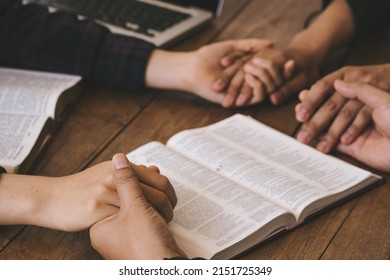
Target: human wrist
(302,45)
(332,29)
(22,198)
(168,70)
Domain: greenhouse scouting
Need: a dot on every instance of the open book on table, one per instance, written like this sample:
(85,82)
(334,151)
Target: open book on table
(31,103)
(239,182)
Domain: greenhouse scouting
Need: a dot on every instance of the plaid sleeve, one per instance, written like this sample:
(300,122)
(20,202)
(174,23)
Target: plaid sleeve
(369,15)
(33,38)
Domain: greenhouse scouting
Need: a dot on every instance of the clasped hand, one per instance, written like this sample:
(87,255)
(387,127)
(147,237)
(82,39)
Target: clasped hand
(264,72)
(331,118)
(76,202)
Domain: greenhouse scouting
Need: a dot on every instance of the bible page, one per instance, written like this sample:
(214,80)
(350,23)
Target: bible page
(212,212)
(18,134)
(32,92)
(267,161)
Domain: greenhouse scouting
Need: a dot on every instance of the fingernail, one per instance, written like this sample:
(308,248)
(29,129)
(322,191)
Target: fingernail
(226,104)
(230,100)
(220,82)
(340,84)
(120,161)
(219,85)
(302,115)
(301,95)
(346,138)
(304,137)
(229,61)
(323,146)
(241,100)
(274,99)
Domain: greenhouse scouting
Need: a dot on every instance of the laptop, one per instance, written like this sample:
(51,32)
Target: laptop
(161,22)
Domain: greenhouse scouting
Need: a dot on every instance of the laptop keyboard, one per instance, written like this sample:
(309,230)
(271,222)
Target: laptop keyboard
(133,15)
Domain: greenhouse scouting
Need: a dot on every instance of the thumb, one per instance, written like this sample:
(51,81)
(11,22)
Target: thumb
(125,180)
(365,93)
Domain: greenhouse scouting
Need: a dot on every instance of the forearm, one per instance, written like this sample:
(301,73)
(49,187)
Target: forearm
(166,70)
(331,30)
(22,198)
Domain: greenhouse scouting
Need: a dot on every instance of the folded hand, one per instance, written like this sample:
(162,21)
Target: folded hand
(332,118)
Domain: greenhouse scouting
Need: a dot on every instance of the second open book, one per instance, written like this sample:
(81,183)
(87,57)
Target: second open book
(31,105)
(239,182)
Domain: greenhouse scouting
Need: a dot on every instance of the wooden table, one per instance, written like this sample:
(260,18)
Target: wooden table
(106,121)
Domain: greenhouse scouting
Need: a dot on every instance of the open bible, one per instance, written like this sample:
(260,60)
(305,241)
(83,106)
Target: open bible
(31,104)
(239,182)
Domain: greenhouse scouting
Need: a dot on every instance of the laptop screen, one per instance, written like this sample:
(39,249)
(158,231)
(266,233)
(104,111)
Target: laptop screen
(211,5)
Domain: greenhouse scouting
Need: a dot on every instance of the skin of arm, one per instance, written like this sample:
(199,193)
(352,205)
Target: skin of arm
(333,28)
(75,202)
(137,231)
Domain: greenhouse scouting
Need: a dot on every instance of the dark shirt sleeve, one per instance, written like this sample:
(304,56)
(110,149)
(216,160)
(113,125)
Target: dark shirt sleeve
(2,170)
(33,38)
(369,15)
